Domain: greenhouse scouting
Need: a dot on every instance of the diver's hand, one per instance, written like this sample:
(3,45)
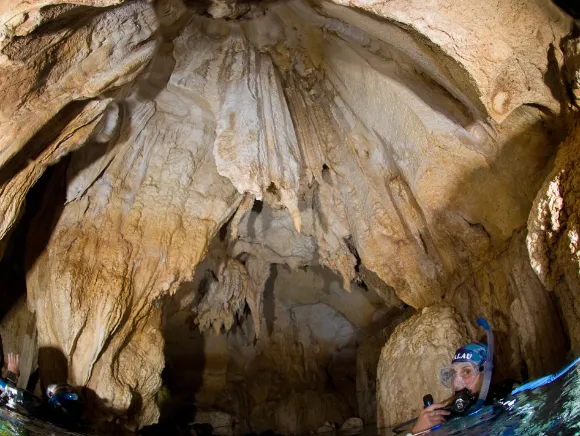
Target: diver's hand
(14,363)
(430,417)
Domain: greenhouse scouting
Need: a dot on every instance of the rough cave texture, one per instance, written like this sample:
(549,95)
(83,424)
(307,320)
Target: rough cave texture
(222,175)
(553,238)
(300,372)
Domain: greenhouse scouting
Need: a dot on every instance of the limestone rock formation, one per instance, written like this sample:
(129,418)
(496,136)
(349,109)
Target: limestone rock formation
(495,68)
(368,356)
(195,148)
(554,229)
(410,363)
(309,339)
(571,50)
(352,423)
(508,293)
(53,100)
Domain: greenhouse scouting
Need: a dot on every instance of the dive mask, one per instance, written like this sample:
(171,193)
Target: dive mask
(459,375)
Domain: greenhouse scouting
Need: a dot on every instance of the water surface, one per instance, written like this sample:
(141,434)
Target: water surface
(552,409)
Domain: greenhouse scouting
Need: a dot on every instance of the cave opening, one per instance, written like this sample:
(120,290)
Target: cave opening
(311,360)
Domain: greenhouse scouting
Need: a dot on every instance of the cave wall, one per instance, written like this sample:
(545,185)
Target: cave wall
(60,62)
(552,238)
(124,235)
(405,143)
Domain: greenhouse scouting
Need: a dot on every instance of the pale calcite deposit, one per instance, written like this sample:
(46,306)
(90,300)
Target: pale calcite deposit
(140,238)
(402,149)
(411,360)
(497,65)
(367,359)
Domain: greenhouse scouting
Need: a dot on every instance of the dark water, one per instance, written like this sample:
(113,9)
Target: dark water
(552,409)
(14,424)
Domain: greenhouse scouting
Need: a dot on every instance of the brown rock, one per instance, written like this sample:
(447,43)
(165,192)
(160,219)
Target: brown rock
(45,113)
(133,237)
(554,229)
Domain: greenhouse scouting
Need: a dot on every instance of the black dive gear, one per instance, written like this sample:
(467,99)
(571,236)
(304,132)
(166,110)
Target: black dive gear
(461,403)
(21,401)
(11,377)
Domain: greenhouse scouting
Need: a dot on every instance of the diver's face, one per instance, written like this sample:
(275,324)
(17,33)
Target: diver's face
(468,376)
(477,385)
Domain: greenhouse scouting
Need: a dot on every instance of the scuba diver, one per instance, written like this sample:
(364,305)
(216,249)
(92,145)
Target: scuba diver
(465,377)
(469,376)
(65,406)
(12,397)
(8,390)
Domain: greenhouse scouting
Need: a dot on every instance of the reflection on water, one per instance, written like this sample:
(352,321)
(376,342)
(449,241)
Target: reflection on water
(553,409)
(12,423)
(549,410)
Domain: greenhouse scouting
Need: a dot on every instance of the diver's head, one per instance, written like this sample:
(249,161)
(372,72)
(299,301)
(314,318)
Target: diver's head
(54,389)
(466,369)
(51,390)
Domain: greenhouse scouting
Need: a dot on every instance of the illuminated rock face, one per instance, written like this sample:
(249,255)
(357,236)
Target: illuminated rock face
(400,146)
(553,238)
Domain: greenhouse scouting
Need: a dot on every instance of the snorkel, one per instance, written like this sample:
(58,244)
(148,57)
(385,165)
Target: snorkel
(488,366)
